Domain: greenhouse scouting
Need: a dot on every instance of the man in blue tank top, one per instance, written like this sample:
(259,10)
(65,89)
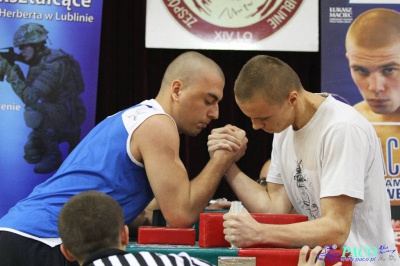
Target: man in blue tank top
(132,156)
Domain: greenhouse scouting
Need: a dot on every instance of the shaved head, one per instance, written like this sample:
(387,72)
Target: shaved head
(191,89)
(188,67)
(374,28)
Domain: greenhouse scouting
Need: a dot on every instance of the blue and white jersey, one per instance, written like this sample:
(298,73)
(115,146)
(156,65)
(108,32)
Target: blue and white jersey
(102,162)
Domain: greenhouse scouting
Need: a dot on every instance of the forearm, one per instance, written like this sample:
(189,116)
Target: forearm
(203,187)
(192,197)
(255,197)
(319,232)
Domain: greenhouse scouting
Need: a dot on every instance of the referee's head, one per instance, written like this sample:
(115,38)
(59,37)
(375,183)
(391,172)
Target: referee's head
(89,222)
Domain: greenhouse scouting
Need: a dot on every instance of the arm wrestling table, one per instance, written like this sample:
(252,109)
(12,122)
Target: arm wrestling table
(209,243)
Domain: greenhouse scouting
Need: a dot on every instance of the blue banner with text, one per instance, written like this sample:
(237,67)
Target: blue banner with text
(48,84)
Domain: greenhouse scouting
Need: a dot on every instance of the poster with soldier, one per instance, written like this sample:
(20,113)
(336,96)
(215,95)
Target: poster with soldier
(360,62)
(48,83)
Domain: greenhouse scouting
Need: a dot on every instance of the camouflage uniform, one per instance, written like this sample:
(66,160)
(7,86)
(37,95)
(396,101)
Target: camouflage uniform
(53,107)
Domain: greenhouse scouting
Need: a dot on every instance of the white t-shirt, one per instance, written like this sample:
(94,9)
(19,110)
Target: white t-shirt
(337,153)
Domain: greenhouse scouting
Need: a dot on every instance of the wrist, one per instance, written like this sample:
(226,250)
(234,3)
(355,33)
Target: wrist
(231,172)
(223,157)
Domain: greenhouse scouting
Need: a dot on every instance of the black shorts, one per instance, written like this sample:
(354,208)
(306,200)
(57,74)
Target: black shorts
(16,250)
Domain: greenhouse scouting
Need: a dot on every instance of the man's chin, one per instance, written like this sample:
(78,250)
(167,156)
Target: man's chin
(381,111)
(193,133)
(270,131)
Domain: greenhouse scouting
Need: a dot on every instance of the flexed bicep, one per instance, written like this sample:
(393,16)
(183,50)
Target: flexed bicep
(156,143)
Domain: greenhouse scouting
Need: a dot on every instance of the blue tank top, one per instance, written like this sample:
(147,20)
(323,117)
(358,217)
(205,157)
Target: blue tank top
(102,161)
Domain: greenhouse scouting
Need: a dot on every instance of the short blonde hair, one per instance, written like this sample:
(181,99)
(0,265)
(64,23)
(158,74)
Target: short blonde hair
(268,77)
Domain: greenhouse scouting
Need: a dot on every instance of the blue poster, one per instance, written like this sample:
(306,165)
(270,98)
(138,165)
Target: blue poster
(360,62)
(48,84)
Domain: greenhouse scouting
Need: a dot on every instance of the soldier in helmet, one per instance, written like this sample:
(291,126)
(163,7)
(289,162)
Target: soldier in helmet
(51,94)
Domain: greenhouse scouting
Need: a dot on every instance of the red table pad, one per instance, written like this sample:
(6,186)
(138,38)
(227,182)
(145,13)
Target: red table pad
(286,257)
(396,229)
(211,230)
(166,235)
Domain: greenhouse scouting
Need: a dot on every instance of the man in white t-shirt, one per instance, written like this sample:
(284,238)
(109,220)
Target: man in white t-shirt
(325,164)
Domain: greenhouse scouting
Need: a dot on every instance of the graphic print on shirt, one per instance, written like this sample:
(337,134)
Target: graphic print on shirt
(129,117)
(304,197)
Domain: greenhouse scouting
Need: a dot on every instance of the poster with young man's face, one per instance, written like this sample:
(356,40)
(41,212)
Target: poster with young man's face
(360,62)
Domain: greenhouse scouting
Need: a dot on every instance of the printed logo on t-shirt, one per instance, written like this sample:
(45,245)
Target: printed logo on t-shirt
(304,198)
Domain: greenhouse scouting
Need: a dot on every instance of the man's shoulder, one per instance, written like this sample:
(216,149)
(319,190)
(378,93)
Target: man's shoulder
(347,114)
(53,55)
(148,112)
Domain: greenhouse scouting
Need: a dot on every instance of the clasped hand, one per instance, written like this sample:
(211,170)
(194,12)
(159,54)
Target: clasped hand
(229,138)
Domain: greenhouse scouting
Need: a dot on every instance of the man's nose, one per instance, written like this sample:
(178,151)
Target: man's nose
(376,83)
(214,112)
(256,125)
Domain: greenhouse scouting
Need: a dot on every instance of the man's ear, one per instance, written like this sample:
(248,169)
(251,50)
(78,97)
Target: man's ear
(292,98)
(125,236)
(66,253)
(176,88)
